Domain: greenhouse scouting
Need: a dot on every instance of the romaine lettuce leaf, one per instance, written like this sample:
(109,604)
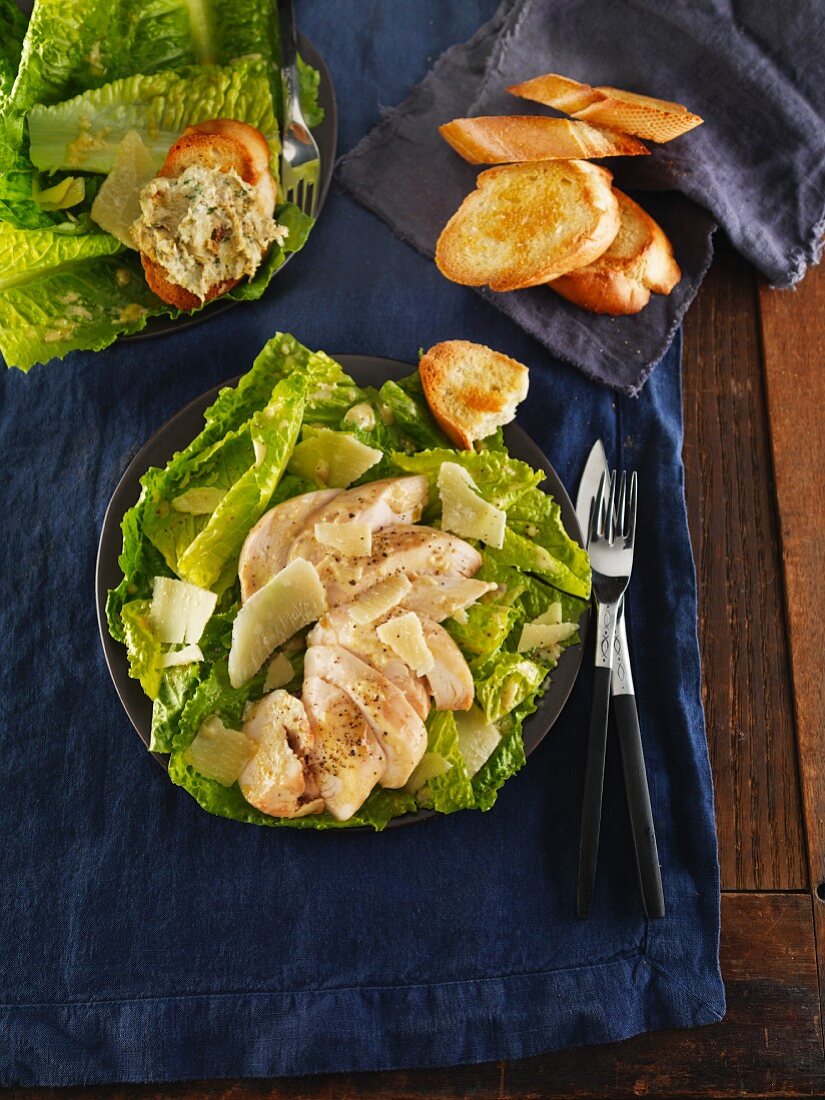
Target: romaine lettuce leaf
(452,790)
(12,32)
(505,682)
(85,132)
(411,413)
(532,557)
(501,480)
(176,689)
(485,628)
(25,256)
(142,648)
(537,517)
(274,432)
(84,305)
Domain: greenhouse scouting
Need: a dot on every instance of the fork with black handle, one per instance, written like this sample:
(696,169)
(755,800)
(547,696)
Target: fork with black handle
(612,535)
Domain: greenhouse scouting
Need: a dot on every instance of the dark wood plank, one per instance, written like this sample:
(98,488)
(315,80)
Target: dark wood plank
(769,1044)
(741,620)
(793,333)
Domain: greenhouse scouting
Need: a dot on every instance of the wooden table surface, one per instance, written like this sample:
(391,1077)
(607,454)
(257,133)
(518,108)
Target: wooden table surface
(754,392)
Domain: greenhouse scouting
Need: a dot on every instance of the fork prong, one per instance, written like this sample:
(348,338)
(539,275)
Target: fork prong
(630,517)
(621,526)
(597,511)
(611,511)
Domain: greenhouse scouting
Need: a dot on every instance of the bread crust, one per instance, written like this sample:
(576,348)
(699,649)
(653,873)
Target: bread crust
(225,144)
(657,120)
(457,257)
(490,139)
(620,282)
(464,380)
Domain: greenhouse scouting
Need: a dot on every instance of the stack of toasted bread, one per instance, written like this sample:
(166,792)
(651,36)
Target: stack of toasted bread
(546,215)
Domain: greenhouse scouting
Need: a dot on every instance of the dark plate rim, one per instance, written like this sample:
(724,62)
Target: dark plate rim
(326,134)
(177,431)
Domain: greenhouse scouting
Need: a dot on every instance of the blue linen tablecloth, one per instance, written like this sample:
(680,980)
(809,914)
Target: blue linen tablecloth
(141,939)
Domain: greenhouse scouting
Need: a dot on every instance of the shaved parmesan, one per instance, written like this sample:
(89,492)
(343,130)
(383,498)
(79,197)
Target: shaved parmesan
(332,459)
(183,656)
(405,637)
(375,602)
(545,636)
(279,673)
(220,753)
(551,617)
(464,512)
(430,766)
(477,738)
(354,539)
(179,611)
(199,502)
(292,599)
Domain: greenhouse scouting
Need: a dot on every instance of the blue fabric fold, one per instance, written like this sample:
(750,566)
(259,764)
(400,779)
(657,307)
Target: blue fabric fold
(142,939)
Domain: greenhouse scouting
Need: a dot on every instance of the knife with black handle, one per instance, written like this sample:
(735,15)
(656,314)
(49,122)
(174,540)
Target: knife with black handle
(626,719)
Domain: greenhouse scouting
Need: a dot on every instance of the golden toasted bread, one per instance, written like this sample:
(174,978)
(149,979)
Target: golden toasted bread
(656,120)
(221,143)
(471,390)
(639,260)
(512,138)
(529,223)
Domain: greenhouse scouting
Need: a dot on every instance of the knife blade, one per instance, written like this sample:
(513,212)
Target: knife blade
(626,715)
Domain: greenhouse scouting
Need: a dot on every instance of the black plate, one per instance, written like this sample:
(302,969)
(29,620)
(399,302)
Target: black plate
(176,433)
(327,137)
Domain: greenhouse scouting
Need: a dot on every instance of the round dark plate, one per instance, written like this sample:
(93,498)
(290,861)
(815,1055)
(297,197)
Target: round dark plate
(327,137)
(367,370)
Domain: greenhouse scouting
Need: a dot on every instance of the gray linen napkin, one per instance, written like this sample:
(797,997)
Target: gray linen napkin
(754,70)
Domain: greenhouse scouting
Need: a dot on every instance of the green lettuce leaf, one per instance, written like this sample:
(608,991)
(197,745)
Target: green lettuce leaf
(500,479)
(142,648)
(86,305)
(274,431)
(486,627)
(12,32)
(505,682)
(176,688)
(84,132)
(537,517)
(452,790)
(411,413)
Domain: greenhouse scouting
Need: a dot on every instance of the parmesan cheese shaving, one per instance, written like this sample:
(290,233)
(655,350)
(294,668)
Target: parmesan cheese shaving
(464,512)
(477,738)
(183,656)
(292,599)
(405,637)
(279,673)
(220,753)
(375,602)
(179,611)
(354,539)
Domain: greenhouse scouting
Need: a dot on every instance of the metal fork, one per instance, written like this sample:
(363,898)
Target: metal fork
(300,159)
(612,534)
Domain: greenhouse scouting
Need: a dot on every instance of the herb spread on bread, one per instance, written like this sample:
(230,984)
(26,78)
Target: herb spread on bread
(204,227)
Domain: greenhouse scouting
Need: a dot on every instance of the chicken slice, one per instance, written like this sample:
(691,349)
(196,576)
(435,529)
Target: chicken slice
(439,598)
(395,500)
(399,731)
(450,679)
(275,779)
(397,549)
(346,759)
(340,627)
(264,553)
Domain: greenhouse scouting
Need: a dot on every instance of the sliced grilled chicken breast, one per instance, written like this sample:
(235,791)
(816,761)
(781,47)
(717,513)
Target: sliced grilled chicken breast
(265,551)
(399,731)
(450,679)
(340,627)
(275,780)
(393,500)
(439,598)
(423,551)
(346,759)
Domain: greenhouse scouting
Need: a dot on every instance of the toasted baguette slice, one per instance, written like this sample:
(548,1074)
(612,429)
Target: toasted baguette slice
(639,260)
(471,389)
(657,120)
(512,138)
(528,223)
(216,143)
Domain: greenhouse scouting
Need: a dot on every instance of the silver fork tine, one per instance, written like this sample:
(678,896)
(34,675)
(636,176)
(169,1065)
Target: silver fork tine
(611,510)
(631,512)
(620,510)
(597,520)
